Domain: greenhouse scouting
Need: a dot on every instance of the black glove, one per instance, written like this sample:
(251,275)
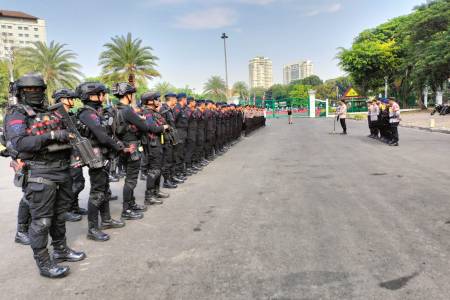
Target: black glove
(61,136)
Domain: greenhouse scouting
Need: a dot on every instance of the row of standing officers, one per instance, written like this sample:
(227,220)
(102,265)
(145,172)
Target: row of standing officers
(169,141)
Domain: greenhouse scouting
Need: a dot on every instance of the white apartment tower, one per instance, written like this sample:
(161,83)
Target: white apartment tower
(297,71)
(260,72)
(18,29)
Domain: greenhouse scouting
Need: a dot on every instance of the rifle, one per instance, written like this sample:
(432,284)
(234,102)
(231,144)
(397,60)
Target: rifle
(80,143)
(172,135)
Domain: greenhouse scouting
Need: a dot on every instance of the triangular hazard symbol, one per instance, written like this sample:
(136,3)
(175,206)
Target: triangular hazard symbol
(351,93)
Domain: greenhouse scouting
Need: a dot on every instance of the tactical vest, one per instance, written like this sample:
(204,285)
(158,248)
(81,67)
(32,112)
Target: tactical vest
(38,123)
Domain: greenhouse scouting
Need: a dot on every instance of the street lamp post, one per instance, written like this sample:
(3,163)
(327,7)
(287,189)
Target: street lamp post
(385,86)
(224,37)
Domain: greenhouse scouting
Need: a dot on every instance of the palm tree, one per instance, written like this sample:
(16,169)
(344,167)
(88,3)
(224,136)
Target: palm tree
(215,88)
(125,59)
(52,61)
(240,88)
(163,88)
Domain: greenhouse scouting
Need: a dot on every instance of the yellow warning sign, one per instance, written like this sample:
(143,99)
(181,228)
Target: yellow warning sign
(351,93)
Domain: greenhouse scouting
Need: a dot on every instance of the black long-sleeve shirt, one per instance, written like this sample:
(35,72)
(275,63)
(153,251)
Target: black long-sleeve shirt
(93,121)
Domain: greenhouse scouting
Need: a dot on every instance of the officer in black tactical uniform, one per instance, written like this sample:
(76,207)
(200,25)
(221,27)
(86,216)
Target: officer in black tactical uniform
(181,123)
(168,171)
(93,126)
(191,139)
(210,124)
(201,133)
(39,138)
(129,128)
(66,96)
(153,150)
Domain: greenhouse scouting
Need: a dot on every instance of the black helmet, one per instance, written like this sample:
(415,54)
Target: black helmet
(63,93)
(30,80)
(84,90)
(30,98)
(120,89)
(149,96)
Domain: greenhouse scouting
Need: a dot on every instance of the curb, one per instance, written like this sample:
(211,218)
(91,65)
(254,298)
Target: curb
(446,131)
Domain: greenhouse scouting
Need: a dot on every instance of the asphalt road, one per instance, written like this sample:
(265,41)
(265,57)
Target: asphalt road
(291,212)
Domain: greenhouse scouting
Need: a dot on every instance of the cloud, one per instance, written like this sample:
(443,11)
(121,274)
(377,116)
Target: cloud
(329,8)
(210,18)
(256,2)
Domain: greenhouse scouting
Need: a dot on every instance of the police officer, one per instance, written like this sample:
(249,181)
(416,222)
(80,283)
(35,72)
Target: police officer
(153,150)
(201,132)
(191,136)
(168,172)
(181,123)
(210,126)
(41,141)
(128,130)
(93,126)
(66,97)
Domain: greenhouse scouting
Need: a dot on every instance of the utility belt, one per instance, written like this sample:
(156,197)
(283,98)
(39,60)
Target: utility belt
(39,165)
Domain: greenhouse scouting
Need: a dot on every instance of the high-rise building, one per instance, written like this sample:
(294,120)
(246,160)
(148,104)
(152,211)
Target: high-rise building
(297,71)
(18,29)
(260,72)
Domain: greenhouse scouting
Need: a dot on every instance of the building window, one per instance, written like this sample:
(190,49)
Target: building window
(6,48)
(25,28)
(5,41)
(9,27)
(21,42)
(35,29)
(36,36)
(20,34)
(19,27)
(9,33)
(4,33)
(11,41)
(27,35)
(3,26)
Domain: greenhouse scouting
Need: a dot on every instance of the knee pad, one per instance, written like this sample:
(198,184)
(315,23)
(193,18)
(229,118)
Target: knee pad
(41,225)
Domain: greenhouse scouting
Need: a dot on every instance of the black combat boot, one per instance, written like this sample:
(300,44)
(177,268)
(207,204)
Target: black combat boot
(177,180)
(61,252)
(22,236)
(72,217)
(111,223)
(197,167)
(96,234)
(138,208)
(158,194)
(132,215)
(47,267)
(81,211)
(150,198)
(169,184)
(112,178)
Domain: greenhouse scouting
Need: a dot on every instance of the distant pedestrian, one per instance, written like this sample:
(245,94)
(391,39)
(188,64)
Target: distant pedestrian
(342,115)
(290,115)
(394,120)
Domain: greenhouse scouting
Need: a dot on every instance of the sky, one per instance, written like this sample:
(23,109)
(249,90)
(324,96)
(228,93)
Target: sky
(185,34)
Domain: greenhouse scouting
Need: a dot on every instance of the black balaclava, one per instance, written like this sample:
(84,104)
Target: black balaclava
(34,99)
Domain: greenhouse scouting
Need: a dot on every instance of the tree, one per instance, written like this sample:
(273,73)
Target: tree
(125,59)
(4,82)
(54,62)
(240,89)
(164,88)
(312,80)
(215,88)
(279,91)
(299,91)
